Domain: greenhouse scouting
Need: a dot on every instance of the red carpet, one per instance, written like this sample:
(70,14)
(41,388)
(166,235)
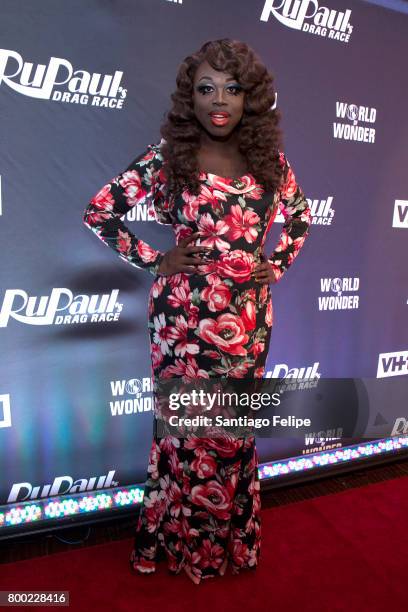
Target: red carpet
(346,551)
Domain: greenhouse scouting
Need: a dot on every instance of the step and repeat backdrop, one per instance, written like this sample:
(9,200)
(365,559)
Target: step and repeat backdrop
(84,88)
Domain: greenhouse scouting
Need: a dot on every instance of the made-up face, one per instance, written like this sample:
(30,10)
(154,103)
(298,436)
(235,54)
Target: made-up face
(218,100)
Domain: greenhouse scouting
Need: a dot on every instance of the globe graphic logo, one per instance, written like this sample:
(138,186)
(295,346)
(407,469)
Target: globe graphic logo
(352,113)
(337,286)
(134,387)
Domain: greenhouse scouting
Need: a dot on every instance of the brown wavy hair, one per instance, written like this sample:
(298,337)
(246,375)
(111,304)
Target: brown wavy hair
(259,136)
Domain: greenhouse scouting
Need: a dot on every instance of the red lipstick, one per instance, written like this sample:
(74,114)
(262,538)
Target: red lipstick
(219,118)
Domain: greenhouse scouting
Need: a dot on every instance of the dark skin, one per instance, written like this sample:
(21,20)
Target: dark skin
(218,154)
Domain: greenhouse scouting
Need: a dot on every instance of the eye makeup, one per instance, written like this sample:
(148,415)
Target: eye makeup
(201,88)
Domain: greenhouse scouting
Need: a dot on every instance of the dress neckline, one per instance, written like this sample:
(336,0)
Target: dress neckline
(226,178)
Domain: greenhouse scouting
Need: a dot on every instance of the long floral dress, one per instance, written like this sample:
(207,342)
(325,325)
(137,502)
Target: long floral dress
(201,505)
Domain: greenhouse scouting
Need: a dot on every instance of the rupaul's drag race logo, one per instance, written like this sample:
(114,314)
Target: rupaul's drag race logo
(140,400)
(58,81)
(349,118)
(321,210)
(24,491)
(61,307)
(308,16)
(309,374)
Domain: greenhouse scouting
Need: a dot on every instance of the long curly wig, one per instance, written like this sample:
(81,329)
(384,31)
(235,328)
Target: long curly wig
(259,136)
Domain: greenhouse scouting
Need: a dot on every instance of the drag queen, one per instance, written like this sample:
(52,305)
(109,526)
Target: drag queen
(218,177)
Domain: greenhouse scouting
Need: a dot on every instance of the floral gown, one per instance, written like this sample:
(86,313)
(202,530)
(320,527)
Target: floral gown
(201,505)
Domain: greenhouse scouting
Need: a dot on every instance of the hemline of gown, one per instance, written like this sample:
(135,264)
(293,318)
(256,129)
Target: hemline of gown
(230,535)
(235,569)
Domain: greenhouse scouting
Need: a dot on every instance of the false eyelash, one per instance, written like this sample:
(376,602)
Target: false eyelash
(238,88)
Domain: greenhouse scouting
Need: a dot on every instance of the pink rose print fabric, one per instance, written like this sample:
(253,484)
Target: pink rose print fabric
(201,506)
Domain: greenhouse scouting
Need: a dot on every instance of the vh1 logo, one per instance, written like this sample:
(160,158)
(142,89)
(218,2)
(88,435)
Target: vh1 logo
(400,427)
(5,410)
(400,216)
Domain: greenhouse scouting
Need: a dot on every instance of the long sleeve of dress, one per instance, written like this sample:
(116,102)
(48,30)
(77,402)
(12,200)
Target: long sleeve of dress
(295,229)
(104,212)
